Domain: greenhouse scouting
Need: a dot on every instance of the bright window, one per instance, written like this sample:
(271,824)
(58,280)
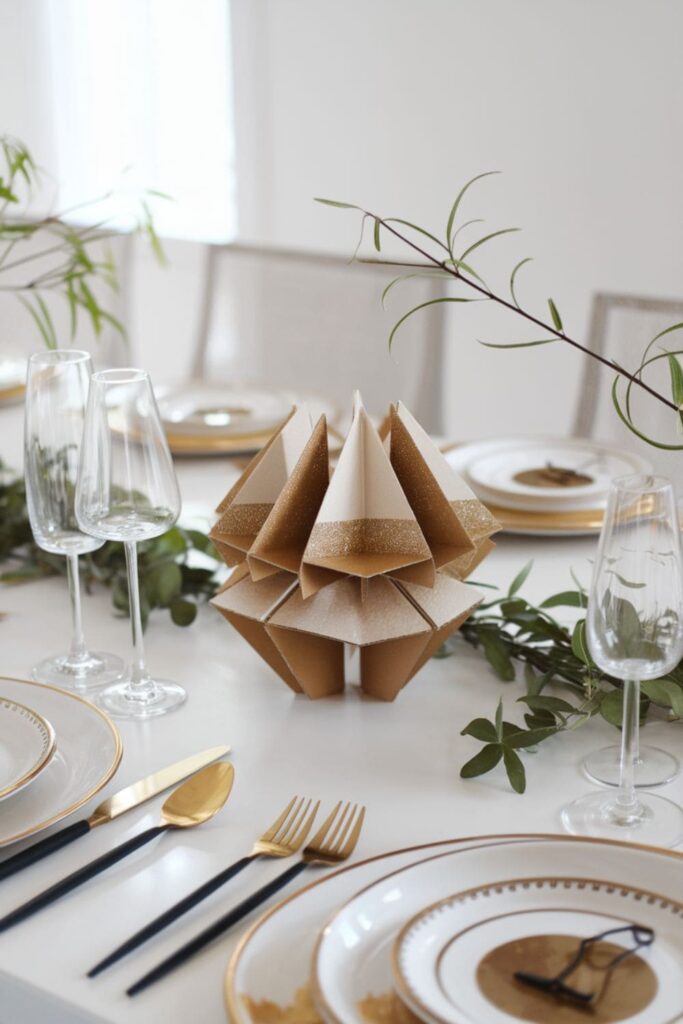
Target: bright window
(142,99)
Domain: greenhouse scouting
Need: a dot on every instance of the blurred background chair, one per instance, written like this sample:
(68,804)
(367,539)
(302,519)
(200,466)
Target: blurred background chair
(315,323)
(621,328)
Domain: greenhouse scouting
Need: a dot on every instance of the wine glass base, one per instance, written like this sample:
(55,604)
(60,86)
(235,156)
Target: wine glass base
(654,767)
(96,669)
(658,822)
(156,697)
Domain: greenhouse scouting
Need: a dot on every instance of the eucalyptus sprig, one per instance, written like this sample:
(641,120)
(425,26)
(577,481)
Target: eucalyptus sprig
(446,257)
(72,257)
(177,571)
(510,629)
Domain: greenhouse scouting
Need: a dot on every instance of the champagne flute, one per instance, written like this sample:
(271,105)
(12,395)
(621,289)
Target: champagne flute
(56,392)
(127,491)
(634,629)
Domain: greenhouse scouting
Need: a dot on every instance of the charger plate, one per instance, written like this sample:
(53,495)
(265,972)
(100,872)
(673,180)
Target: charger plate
(455,962)
(88,753)
(27,742)
(352,957)
(270,968)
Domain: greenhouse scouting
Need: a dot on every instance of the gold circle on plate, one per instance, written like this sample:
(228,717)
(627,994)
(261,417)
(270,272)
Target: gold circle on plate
(627,992)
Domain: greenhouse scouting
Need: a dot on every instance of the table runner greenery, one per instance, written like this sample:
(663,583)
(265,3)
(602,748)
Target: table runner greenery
(508,630)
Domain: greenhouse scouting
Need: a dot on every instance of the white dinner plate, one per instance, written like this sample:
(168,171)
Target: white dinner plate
(455,962)
(490,468)
(201,418)
(87,754)
(352,960)
(27,742)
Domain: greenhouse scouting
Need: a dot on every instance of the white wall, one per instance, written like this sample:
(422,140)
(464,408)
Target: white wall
(394,103)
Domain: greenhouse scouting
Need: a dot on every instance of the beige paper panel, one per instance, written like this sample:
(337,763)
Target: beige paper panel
(386,667)
(258,458)
(255,634)
(316,661)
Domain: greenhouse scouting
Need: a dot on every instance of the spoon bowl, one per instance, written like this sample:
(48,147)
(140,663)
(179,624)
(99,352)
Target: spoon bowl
(200,797)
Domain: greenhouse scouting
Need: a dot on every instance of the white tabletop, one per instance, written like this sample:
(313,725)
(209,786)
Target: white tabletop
(402,760)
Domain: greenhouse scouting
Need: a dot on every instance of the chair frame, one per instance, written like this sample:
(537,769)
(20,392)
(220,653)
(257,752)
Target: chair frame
(603,304)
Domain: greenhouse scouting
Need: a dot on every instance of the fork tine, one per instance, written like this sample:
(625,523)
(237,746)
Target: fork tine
(295,822)
(267,836)
(322,831)
(336,841)
(332,836)
(350,844)
(284,828)
(299,838)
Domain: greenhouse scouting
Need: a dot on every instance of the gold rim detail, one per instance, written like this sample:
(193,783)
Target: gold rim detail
(46,753)
(109,774)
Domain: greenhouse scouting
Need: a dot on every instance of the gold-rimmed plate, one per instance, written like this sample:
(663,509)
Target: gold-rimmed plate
(267,980)
(455,962)
(352,959)
(27,742)
(88,753)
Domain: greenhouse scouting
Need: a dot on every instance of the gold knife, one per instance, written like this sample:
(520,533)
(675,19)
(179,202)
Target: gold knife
(119,803)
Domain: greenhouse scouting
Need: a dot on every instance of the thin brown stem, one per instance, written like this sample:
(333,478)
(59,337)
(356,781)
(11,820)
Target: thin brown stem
(455,273)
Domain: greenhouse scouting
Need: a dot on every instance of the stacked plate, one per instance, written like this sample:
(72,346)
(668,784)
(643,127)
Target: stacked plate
(439,933)
(56,751)
(222,419)
(544,484)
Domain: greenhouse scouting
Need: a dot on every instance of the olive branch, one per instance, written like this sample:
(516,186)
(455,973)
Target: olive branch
(439,259)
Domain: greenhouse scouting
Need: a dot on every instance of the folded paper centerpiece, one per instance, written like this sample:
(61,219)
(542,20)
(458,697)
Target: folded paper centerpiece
(373,557)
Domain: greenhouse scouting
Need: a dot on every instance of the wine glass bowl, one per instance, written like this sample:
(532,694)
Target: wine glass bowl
(56,393)
(127,491)
(634,631)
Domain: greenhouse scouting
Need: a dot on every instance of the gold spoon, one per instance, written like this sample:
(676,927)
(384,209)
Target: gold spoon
(192,803)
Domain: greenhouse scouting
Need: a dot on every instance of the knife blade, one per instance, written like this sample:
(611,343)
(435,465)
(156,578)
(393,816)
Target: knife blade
(125,800)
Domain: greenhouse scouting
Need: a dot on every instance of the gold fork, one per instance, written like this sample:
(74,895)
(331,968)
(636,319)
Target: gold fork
(285,837)
(333,843)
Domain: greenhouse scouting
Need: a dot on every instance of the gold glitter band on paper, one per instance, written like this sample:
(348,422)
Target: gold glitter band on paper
(242,520)
(371,536)
(475,517)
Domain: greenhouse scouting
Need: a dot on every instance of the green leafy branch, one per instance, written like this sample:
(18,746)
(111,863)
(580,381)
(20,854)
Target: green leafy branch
(509,630)
(443,257)
(177,571)
(71,260)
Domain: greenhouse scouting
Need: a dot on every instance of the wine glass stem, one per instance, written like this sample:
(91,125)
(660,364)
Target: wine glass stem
(138,670)
(78,651)
(627,802)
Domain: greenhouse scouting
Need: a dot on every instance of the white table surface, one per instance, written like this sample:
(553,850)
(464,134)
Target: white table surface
(402,760)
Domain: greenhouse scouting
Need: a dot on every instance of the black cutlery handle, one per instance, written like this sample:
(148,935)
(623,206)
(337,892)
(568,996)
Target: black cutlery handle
(217,928)
(172,914)
(32,854)
(77,878)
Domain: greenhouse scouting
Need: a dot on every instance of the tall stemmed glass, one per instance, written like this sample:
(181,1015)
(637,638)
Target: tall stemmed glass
(127,491)
(56,393)
(634,630)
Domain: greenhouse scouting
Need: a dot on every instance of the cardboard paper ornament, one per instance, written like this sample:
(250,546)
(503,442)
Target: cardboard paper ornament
(373,557)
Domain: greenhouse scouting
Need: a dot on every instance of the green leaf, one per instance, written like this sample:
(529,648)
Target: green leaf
(554,704)
(518,344)
(515,770)
(612,707)
(513,275)
(499,720)
(168,580)
(557,320)
(520,578)
(415,309)
(183,613)
(481,729)
(335,202)
(407,277)
(579,644)
(628,422)
(625,582)
(458,199)
(487,238)
(483,762)
(378,247)
(676,374)
(529,738)
(498,657)
(565,599)
(416,227)
(664,692)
